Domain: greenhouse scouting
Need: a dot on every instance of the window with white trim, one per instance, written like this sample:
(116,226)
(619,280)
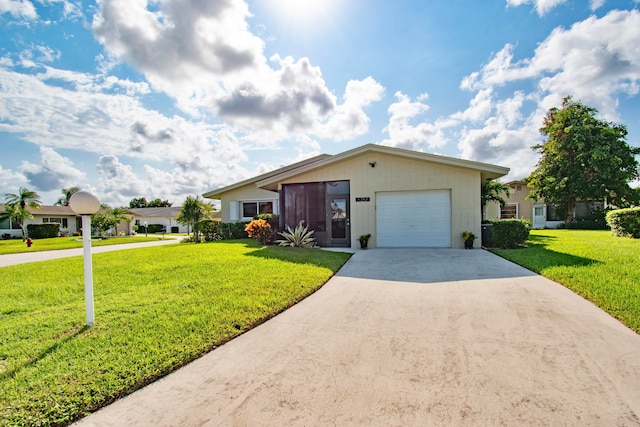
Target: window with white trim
(62,221)
(509,211)
(251,209)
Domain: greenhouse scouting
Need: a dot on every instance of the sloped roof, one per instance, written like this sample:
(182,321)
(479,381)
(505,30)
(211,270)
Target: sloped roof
(214,193)
(169,212)
(48,210)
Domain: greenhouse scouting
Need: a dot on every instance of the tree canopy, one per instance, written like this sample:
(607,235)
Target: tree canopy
(107,218)
(66,196)
(492,191)
(141,202)
(583,158)
(17,206)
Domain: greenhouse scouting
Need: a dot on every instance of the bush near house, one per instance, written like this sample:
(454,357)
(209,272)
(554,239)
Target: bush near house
(259,229)
(625,222)
(274,223)
(210,229)
(509,233)
(234,230)
(43,231)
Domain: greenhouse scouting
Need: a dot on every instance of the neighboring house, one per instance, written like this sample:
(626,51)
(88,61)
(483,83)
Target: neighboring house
(164,216)
(541,214)
(403,198)
(63,215)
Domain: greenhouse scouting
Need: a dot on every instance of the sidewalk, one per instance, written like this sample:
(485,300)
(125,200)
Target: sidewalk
(23,258)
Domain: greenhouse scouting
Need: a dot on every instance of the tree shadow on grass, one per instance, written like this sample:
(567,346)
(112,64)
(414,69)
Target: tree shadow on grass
(75,332)
(312,256)
(537,256)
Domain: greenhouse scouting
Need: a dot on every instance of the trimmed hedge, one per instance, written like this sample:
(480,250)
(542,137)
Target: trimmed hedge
(625,222)
(43,231)
(509,233)
(211,230)
(234,230)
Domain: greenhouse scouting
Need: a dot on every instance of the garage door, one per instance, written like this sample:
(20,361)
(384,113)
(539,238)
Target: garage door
(414,219)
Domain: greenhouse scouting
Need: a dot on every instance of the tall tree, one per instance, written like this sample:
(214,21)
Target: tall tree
(17,206)
(108,217)
(66,196)
(136,202)
(583,158)
(193,210)
(492,191)
(157,203)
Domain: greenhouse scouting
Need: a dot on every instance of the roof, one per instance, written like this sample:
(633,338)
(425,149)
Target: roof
(488,171)
(270,180)
(48,210)
(215,193)
(168,212)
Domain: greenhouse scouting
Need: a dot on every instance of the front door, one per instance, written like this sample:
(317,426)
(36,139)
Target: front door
(539,215)
(339,229)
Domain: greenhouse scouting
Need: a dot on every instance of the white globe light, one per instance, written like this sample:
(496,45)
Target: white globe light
(84,203)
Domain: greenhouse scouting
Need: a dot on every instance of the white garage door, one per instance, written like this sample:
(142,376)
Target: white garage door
(414,219)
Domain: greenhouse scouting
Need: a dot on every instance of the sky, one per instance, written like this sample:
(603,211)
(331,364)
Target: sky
(171,98)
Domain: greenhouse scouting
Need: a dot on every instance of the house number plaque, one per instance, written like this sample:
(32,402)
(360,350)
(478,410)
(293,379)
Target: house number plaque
(363,199)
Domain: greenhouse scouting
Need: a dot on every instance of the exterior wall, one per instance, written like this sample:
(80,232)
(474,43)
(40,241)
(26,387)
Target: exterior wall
(37,219)
(519,193)
(248,192)
(167,222)
(395,173)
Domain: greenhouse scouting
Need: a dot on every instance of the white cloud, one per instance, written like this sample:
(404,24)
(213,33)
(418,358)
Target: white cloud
(53,172)
(18,8)
(542,6)
(594,61)
(10,181)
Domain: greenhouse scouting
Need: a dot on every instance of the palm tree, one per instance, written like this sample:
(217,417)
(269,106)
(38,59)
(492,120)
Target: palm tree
(67,193)
(193,210)
(17,207)
(492,191)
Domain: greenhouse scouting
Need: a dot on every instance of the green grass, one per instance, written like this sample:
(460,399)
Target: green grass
(15,246)
(156,310)
(602,268)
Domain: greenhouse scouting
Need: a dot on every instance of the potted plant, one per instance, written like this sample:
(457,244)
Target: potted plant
(364,240)
(468,238)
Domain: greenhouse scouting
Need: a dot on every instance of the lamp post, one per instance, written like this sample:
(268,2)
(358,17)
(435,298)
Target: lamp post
(146,231)
(85,204)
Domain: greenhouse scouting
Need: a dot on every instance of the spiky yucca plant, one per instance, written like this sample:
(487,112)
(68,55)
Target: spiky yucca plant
(300,237)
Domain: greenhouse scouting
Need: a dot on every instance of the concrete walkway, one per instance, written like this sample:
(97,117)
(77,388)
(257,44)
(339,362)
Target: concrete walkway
(410,337)
(23,258)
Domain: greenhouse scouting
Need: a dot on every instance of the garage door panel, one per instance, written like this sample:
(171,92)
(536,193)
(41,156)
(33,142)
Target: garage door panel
(414,219)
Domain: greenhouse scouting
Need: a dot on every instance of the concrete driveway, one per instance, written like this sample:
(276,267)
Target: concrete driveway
(411,337)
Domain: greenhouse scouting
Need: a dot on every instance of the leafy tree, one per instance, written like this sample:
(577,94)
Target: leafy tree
(157,203)
(583,158)
(67,193)
(138,203)
(107,218)
(193,210)
(17,207)
(492,191)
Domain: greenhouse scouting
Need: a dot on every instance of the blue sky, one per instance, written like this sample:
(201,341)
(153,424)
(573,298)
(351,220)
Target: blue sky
(169,98)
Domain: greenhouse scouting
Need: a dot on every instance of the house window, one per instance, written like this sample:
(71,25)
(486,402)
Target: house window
(62,221)
(509,211)
(251,209)
(9,224)
(538,211)
(555,213)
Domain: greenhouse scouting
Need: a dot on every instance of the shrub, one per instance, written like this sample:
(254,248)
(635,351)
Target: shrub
(596,220)
(259,229)
(43,231)
(234,230)
(211,230)
(510,233)
(625,222)
(300,237)
(273,221)
(156,228)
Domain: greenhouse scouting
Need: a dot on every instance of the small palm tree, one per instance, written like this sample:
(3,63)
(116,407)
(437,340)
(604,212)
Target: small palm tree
(17,207)
(193,210)
(493,191)
(67,193)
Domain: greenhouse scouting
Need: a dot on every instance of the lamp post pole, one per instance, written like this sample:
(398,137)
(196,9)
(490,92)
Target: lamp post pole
(86,204)
(88,268)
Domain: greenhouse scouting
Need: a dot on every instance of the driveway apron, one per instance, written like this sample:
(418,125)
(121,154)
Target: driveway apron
(410,337)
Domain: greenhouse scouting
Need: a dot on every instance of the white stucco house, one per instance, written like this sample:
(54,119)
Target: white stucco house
(402,198)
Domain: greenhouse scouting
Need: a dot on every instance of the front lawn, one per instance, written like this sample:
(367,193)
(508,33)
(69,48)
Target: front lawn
(156,310)
(15,246)
(602,268)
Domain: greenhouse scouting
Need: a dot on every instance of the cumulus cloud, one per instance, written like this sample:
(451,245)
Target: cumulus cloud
(18,8)
(54,171)
(594,61)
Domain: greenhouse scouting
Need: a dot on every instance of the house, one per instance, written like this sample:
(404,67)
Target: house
(403,198)
(165,217)
(541,214)
(69,221)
